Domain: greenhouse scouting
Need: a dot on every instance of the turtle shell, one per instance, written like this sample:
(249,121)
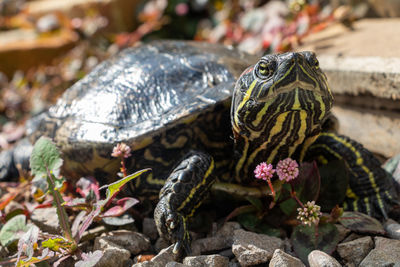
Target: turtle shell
(137,95)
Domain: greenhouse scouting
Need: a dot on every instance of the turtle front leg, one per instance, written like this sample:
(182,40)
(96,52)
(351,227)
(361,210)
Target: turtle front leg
(182,194)
(371,189)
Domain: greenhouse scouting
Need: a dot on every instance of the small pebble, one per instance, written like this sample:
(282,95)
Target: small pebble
(282,259)
(206,261)
(319,258)
(393,229)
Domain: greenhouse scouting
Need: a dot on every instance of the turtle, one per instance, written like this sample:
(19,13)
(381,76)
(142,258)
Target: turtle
(196,113)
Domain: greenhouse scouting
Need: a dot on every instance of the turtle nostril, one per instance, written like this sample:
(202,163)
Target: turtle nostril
(296,58)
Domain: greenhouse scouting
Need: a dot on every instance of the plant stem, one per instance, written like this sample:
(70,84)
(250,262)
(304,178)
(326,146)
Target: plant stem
(123,168)
(272,193)
(62,214)
(294,196)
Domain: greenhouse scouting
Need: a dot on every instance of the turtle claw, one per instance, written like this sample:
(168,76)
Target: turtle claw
(181,246)
(182,237)
(172,226)
(177,247)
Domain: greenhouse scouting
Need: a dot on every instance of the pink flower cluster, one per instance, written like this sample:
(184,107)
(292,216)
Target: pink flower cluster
(286,169)
(121,150)
(264,171)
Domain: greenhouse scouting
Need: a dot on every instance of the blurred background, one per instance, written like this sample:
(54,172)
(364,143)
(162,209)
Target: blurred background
(47,45)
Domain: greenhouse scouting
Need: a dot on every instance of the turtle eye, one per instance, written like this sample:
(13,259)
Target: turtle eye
(312,59)
(316,63)
(264,69)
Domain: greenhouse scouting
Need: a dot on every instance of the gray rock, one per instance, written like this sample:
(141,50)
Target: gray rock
(392,228)
(351,237)
(146,264)
(132,241)
(166,255)
(251,248)
(65,263)
(288,247)
(207,260)
(160,244)
(203,245)
(223,239)
(228,229)
(379,258)
(47,220)
(128,263)
(387,244)
(282,259)
(160,260)
(175,264)
(234,263)
(354,252)
(385,253)
(319,258)
(227,253)
(149,228)
(113,254)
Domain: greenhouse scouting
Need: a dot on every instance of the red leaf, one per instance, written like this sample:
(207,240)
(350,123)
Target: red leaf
(6,199)
(87,184)
(122,205)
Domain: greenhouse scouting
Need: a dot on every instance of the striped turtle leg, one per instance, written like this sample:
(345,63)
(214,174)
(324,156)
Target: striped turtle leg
(183,192)
(370,188)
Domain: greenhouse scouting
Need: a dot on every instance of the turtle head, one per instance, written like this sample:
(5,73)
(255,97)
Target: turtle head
(278,108)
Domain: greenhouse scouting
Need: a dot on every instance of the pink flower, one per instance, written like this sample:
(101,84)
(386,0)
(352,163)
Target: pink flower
(181,9)
(287,169)
(264,171)
(121,150)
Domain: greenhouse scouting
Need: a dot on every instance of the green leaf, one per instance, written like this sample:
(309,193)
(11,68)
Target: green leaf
(307,184)
(267,229)
(37,261)
(252,222)
(114,188)
(56,243)
(305,239)
(249,221)
(61,213)
(14,229)
(256,202)
(361,223)
(334,183)
(241,210)
(45,155)
(46,162)
(289,207)
(27,241)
